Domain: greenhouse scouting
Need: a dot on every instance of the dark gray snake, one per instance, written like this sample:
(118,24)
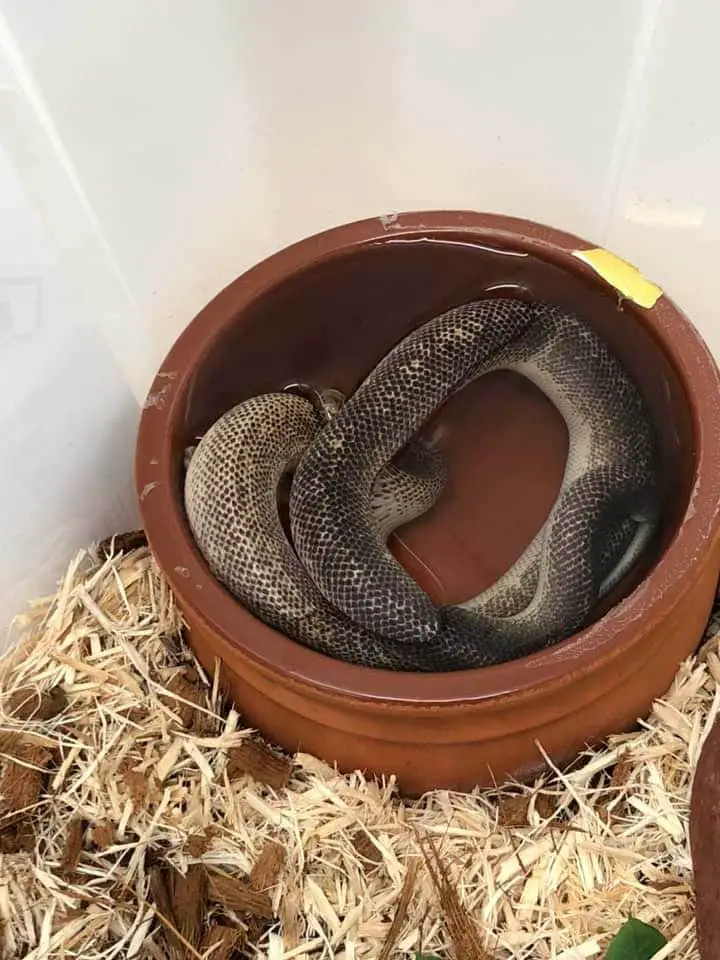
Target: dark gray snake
(359,473)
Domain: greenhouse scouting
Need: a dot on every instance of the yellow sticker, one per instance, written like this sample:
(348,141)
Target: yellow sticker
(626,278)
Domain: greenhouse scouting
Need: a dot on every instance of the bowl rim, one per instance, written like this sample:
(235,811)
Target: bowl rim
(608,639)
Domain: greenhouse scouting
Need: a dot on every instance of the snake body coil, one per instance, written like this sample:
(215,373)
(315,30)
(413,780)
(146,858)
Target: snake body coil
(338,589)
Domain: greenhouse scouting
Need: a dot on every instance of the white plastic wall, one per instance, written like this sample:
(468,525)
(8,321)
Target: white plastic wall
(169,144)
(67,415)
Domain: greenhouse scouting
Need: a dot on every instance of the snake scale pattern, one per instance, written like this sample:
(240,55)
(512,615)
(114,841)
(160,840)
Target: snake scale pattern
(330,582)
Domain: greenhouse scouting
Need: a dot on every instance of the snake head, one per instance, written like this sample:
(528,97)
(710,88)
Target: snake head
(332,401)
(326,402)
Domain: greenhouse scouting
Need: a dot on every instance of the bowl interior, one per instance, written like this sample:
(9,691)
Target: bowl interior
(504,442)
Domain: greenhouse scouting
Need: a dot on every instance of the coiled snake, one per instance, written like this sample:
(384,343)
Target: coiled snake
(359,473)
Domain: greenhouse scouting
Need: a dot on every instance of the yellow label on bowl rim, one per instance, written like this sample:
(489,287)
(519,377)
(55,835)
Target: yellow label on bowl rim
(624,276)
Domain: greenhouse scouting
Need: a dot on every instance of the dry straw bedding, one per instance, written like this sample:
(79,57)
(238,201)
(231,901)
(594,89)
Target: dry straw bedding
(139,817)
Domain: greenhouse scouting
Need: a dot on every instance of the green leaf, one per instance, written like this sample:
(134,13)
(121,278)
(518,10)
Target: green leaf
(635,940)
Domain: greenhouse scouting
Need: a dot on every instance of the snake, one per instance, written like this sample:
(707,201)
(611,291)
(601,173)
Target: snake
(325,576)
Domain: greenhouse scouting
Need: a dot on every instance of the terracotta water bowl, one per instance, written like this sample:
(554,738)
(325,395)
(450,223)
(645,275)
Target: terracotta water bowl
(324,311)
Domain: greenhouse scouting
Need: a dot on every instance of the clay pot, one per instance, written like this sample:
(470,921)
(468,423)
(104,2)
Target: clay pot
(705,844)
(324,311)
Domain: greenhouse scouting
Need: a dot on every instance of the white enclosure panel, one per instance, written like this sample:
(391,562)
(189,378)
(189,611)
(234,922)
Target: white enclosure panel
(67,418)
(667,211)
(206,135)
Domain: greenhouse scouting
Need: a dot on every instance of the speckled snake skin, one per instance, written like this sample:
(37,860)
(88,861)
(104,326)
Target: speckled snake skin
(231,499)
(360,474)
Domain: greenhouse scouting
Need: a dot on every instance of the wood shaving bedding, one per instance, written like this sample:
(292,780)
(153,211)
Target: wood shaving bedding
(140,818)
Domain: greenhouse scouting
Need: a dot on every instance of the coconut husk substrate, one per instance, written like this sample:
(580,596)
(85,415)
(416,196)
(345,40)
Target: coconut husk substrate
(140,817)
